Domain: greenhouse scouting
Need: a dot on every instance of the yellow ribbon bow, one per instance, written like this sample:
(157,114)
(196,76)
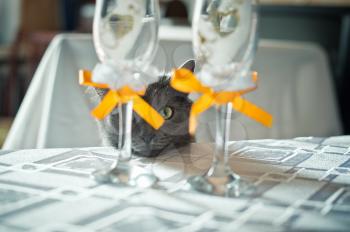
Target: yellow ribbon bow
(185,81)
(121,96)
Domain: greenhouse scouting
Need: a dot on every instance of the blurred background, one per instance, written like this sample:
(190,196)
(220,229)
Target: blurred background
(28,26)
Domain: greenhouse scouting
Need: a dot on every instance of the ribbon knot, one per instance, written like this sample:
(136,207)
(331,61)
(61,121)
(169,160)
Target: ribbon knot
(121,96)
(185,81)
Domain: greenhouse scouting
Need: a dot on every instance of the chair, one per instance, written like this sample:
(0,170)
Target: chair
(295,86)
(39,22)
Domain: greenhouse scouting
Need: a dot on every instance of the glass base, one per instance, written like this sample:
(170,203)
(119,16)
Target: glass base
(122,173)
(230,185)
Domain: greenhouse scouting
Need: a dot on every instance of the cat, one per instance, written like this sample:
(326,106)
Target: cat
(175,108)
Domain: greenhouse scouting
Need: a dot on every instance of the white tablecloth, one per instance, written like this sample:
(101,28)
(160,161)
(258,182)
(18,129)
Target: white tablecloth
(302,185)
(295,87)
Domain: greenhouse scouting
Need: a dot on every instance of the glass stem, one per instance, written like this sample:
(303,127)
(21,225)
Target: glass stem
(220,166)
(125,129)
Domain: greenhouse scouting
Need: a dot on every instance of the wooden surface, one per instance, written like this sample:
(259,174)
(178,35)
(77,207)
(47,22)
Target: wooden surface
(5,124)
(307,2)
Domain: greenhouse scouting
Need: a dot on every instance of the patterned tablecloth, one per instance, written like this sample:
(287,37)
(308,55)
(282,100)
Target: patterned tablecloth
(303,185)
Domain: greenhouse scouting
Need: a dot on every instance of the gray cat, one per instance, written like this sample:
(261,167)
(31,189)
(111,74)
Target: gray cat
(175,108)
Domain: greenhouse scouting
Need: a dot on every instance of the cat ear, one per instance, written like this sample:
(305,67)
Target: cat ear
(101,92)
(190,65)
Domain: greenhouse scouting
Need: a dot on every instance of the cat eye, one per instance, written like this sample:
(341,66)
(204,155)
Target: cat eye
(167,112)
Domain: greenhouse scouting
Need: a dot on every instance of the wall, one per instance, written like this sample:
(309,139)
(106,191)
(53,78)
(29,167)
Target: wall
(9,19)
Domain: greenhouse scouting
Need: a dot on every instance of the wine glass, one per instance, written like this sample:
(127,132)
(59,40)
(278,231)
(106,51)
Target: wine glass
(225,38)
(125,35)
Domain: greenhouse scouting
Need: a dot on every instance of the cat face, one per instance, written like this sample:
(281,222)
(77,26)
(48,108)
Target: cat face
(175,108)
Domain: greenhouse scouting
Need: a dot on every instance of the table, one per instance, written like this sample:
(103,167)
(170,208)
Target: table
(303,185)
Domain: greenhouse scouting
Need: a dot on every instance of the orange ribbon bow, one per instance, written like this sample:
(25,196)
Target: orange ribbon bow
(185,81)
(121,96)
